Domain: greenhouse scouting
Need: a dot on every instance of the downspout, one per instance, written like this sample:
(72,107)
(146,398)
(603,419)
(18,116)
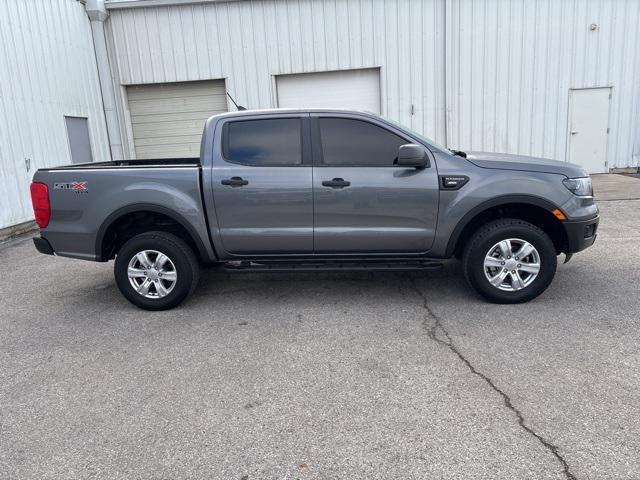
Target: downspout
(97,15)
(446,73)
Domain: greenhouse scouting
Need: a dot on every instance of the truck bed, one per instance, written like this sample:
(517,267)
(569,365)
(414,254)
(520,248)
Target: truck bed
(86,199)
(148,163)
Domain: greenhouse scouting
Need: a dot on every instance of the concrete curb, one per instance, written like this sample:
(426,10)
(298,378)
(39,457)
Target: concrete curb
(17,230)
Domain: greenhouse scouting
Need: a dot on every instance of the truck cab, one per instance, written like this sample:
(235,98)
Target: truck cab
(322,184)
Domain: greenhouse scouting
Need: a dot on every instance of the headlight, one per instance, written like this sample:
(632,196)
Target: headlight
(581,187)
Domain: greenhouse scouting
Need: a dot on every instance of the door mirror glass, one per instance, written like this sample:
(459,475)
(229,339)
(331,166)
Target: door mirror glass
(412,155)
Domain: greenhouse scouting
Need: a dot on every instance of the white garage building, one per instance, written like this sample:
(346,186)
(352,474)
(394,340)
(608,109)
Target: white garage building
(49,94)
(551,78)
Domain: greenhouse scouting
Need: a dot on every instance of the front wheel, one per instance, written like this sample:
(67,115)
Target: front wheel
(156,270)
(509,261)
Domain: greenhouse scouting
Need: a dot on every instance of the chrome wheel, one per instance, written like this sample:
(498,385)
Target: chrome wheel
(512,264)
(152,274)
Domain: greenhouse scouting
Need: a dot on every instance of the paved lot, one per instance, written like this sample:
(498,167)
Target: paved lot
(617,187)
(324,376)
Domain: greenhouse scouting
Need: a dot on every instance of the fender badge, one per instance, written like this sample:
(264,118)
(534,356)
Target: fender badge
(453,182)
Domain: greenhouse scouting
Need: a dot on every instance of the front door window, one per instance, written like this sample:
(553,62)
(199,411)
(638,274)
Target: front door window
(356,143)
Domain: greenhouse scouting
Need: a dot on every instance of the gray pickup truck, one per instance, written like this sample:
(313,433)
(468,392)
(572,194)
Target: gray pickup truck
(317,190)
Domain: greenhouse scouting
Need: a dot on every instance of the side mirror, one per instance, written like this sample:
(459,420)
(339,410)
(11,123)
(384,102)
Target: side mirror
(412,155)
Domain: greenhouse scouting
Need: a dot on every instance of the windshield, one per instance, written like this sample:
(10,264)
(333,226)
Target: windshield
(422,138)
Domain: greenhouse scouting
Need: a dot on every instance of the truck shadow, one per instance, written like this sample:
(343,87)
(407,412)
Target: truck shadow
(215,284)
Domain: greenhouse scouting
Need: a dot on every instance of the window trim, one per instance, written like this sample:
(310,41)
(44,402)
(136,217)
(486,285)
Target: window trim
(318,154)
(224,144)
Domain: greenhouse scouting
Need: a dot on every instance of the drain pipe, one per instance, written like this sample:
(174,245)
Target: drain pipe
(97,15)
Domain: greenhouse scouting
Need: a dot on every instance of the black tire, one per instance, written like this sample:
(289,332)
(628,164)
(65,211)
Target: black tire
(489,235)
(184,261)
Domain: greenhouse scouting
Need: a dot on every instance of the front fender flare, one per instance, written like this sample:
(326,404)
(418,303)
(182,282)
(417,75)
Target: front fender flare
(486,205)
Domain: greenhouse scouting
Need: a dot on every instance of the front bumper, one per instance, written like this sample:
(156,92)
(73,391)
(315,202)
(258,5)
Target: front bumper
(42,245)
(580,234)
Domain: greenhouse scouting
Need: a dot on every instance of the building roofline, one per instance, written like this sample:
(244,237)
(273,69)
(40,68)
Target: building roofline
(121,4)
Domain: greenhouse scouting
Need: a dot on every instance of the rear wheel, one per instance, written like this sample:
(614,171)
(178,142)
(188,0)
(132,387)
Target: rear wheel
(509,261)
(156,270)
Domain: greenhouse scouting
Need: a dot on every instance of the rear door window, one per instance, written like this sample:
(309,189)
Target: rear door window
(270,142)
(355,143)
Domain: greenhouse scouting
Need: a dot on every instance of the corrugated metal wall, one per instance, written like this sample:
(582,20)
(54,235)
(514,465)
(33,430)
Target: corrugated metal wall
(47,70)
(511,63)
(248,42)
(508,64)
(479,74)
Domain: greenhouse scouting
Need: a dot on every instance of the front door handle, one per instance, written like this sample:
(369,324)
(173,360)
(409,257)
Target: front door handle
(235,182)
(336,183)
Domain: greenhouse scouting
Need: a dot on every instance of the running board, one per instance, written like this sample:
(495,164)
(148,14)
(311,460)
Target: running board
(332,266)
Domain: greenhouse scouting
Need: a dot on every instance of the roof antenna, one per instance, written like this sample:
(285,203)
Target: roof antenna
(239,107)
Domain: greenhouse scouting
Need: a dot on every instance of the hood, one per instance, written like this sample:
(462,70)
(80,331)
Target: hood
(505,161)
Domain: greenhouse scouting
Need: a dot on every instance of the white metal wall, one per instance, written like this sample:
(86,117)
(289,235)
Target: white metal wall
(249,42)
(47,70)
(504,70)
(511,63)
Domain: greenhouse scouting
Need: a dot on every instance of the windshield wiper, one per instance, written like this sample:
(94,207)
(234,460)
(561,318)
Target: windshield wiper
(459,153)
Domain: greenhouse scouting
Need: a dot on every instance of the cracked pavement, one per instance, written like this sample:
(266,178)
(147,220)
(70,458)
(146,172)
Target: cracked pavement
(436,331)
(324,375)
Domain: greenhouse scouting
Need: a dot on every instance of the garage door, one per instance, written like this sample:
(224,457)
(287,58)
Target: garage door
(168,118)
(352,89)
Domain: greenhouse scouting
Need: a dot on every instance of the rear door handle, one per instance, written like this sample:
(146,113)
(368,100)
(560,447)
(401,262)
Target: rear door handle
(336,183)
(235,182)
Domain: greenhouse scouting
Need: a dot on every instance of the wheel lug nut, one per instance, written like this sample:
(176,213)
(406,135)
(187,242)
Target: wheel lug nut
(519,265)
(513,271)
(501,263)
(505,270)
(517,258)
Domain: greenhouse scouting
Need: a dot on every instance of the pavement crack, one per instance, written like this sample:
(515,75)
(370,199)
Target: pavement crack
(433,325)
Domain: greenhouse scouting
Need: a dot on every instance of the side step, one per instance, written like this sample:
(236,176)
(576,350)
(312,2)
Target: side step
(331,266)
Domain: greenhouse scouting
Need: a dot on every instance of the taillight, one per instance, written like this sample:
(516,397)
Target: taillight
(41,205)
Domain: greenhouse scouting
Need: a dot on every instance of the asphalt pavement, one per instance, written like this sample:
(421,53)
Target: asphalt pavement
(285,376)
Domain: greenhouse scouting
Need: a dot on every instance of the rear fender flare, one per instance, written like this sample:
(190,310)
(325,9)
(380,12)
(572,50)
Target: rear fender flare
(146,207)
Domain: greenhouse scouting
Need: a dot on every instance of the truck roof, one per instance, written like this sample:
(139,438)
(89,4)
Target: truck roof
(271,111)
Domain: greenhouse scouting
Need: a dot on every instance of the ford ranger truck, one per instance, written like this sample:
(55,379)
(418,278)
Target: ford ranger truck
(317,190)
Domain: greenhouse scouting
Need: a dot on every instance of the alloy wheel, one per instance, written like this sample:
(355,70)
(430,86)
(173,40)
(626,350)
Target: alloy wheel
(152,274)
(512,264)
